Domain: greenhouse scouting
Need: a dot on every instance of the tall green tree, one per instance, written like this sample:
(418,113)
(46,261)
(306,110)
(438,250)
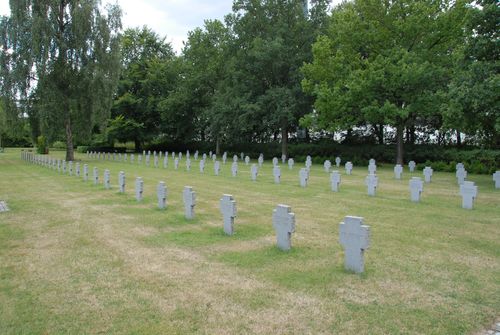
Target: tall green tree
(384,62)
(62,63)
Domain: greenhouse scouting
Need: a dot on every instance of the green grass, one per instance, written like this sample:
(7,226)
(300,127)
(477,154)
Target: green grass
(77,258)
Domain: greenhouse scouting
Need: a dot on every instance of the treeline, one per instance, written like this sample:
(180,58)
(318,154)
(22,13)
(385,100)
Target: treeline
(364,72)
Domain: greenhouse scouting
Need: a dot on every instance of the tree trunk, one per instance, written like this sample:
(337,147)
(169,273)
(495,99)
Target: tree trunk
(284,141)
(137,144)
(380,133)
(217,146)
(399,143)
(70,156)
(459,138)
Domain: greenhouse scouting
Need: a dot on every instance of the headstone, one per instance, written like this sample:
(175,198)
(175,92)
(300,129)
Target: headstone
(338,161)
(308,164)
(188,164)
(202,166)
(144,152)
(308,158)
(277,174)
(3,206)
(428,174)
(372,168)
(132,158)
(303,177)
(242,156)
(58,165)
(254,171)
(355,238)
(371,182)
(85,172)
(275,161)
(165,161)
(283,159)
(398,171)
(120,157)
(459,166)
(412,165)
(173,154)
(176,163)
(216,168)
(335,180)
(235,158)
(214,157)
(64,166)
(496,179)
(121,181)
(70,168)
(155,161)
(247,160)
(228,211)
(204,157)
(416,188)
(209,154)
(461,174)
(327,165)
(180,155)
(161,193)
(96,176)
(77,169)
(224,157)
(261,160)
(290,163)
(139,188)
(188,155)
(234,169)
(125,157)
(372,162)
(468,191)
(139,159)
(189,197)
(114,156)
(284,225)
(107,179)
(196,155)
(147,159)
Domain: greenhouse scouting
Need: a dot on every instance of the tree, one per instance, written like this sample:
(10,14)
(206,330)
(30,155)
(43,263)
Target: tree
(62,64)
(384,62)
(145,81)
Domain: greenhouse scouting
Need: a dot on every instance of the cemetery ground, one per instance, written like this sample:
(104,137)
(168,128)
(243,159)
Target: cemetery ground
(77,258)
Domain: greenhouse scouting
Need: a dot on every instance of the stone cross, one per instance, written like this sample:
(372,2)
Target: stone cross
(125,157)
(210,154)
(261,160)
(254,171)
(308,162)
(372,168)
(176,163)
(161,193)
(189,197)
(496,179)
(348,168)
(371,182)
(147,159)
(114,156)
(308,158)
(188,164)
(173,154)
(411,166)
(202,166)
(303,177)
(372,161)
(416,188)
(132,157)
(290,163)
(64,166)
(428,174)
(58,165)
(283,159)
(85,172)
(461,174)
(242,155)
(120,157)
(155,161)
(107,179)
(180,155)
(247,160)
(96,176)
(338,161)
(196,155)
(459,166)
(165,161)
(277,174)
(214,157)
(188,155)
(70,168)
(224,157)
(216,168)
(468,191)
(121,181)
(335,180)
(228,211)
(139,159)
(284,225)
(234,169)
(275,161)
(355,238)
(204,157)
(327,165)
(235,158)
(139,188)
(398,171)
(77,169)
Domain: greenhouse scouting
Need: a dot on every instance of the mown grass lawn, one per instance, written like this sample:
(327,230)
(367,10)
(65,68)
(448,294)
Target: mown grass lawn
(78,259)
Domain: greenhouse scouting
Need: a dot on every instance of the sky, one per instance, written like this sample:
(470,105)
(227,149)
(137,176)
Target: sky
(172,19)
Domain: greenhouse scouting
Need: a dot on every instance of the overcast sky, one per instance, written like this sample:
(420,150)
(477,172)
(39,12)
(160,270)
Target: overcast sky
(170,18)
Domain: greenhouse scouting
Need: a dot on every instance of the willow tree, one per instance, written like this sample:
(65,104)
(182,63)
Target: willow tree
(61,64)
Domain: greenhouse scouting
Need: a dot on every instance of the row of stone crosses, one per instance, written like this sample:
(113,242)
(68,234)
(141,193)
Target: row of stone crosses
(468,190)
(354,236)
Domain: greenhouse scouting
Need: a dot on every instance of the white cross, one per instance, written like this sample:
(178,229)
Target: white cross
(275,161)
(428,174)
(64,167)
(496,179)
(96,176)
(107,181)
(228,211)
(261,160)
(308,163)
(139,188)
(77,169)
(247,160)
(196,155)
(165,161)
(371,182)
(216,168)
(283,159)
(284,225)
(132,156)
(214,157)
(372,168)
(234,169)
(398,170)
(412,165)
(139,159)
(176,163)
(290,163)
(202,166)
(355,238)
(348,168)
(416,188)
(468,191)
(224,157)
(303,176)
(121,181)
(372,162)
(161,193)
(338,161)
(156,161)
(188,164)
(461,174)
(459,166)
(254,170)
(189,197)
(327,165)
(276,174)
(235,158)
(85,172)
(335,180)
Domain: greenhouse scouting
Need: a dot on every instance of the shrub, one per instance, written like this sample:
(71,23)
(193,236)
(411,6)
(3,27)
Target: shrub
(42,147)
(59,145)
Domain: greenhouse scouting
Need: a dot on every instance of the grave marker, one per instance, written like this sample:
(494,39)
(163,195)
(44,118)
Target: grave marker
(96,176)
(189,198)
(283,159)
(277,174)
(398,171)
(254,171)
(468,191)
(121,181)
(161,194)
(216,168)
(247,160)
(228,211)
(371,182)
(335,179)
(202,166)
(303,177)
(260,160)
(290,163)
(327,165)
(428,174)
(107,180)
(176,163)
(348,168)
(284,225)
(355,238)
(461,174)
(234,169)
(496,179)
(139,188)
(85,172)
(275,161)
(416,188)
(411,166)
